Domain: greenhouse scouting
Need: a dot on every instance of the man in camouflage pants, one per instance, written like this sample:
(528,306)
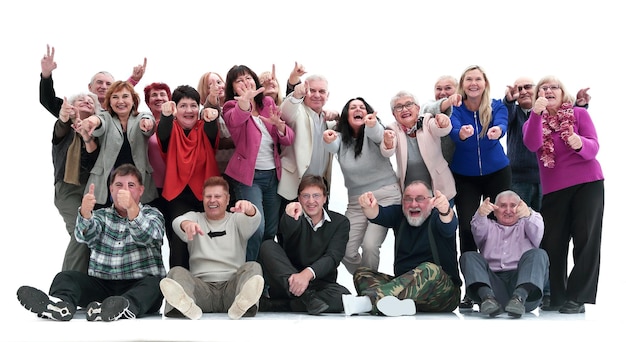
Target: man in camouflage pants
(426,275)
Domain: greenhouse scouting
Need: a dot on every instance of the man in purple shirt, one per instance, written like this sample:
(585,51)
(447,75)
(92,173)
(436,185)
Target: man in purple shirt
(510,270)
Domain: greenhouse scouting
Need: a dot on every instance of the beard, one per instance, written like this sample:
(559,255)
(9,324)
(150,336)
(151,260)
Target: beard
(416,221)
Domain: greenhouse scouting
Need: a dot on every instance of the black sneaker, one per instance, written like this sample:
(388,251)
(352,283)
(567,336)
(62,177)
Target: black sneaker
(466,304)
(38,302)
(111,309)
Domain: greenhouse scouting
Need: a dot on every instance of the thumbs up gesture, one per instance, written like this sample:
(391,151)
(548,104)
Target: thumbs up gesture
(88,203)
(574,140)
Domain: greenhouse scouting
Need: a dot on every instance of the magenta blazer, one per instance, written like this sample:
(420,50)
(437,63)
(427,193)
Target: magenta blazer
(247,138)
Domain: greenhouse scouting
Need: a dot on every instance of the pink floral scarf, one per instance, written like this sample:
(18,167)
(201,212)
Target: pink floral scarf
(559,123)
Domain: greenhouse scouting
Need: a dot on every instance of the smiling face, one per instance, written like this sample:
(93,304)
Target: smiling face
(525,88)
(553,93)
(187,113)
(129,183)
(506,211)
(86,106)
(312,199)
(445,87)
(473,84)
(356,114)
(99,85)
(156,98)
(215,200)
(215,82)
(406,111)
(416,204)
(318,95)
(121,102)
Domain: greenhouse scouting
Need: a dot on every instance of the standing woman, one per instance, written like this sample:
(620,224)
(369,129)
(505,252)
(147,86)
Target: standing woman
(356,142)
(257,131)
(565,141)
(479,164)
(123,135)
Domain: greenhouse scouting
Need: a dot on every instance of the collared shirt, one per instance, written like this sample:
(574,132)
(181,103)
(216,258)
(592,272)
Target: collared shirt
(320,223)
(122,248)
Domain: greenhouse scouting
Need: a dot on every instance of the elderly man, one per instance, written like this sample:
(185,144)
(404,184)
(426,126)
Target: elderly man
(425,261)
(219,279)
(510,269)
(302,269)
(125,265)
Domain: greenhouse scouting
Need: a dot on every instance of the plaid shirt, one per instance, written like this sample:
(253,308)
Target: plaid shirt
(123,249)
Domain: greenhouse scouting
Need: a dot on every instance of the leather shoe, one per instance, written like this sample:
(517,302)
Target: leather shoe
(515,307)
(572,307)
(466,303)
(314,305)
(545,301)
(490,306)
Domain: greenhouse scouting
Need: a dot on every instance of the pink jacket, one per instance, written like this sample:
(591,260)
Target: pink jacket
(247,138)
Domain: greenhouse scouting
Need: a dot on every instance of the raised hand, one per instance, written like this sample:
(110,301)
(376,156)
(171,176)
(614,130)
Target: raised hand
(47,62)
(368,200)
(67,112)
(209,114)
(297,72)
(442,120)
(139,70)
(168,108)
(294,210)
(494,133)
(522,210)
(466,131)
(247,92)
(582,98)
(511,93)
(329,136)
(88,202)
(274,119)
(574,140)
(440,201)
(486,207)
(370,120)
(541,102)
(301,90)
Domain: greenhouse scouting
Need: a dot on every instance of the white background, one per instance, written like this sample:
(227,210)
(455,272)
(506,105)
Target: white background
(368,49)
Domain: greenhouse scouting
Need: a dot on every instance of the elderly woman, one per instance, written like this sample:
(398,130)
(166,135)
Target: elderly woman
(565,141)
(356,142)
(123,135)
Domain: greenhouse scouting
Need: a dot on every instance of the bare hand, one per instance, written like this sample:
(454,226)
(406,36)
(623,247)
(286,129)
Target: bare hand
(541,102)
(522,210)
(146,124)
(368,200)
(331,115)
(329,136)
(582,98)
(574,140)
(297,72)
(243,206)
(301,90)
(210,114)
(299,282)
(389,138)
(47,62)
(274,119)
(370,120)
(466,131)
(455,99)
(294,210)
(191,229)
(442,120)
(168,108)
(511,93)
(67,112)
(139,70)
(88,202)
(494,133)
(486,207)
(440,201)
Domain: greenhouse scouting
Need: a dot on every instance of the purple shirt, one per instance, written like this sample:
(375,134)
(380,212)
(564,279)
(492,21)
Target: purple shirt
(502,246)
(571,167)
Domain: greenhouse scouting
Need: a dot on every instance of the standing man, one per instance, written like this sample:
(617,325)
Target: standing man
(219,279)
(125,266)
(303,111)
(425,260)
(510,271)
(302,269)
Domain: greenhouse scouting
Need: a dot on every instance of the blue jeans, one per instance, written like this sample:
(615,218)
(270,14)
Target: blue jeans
(529,193)
(264,195)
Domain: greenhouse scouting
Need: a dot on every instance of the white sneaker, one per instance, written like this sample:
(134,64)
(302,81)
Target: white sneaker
(248,295)
(393,307)
(176,296)
(354,305)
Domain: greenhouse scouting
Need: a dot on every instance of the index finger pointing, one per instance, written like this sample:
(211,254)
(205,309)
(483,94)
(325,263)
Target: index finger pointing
(92,187)
(145,62)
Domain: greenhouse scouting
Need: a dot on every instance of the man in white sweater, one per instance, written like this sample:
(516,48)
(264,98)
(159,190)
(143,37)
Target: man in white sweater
(219,279)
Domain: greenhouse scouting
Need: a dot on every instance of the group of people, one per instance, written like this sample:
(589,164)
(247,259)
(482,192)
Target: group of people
(238,176)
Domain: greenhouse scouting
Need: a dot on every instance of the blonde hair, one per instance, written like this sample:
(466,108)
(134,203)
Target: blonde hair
(203,86)
(484,109)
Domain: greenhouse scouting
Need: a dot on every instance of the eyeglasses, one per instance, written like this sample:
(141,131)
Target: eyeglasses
(418,199)
(552,87)
(525,86)
(399,108)
(307,197)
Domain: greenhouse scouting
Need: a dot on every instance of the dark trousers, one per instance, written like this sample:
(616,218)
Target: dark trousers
(574,213)
(277,268)
(470,192)
(81,289)
(183,203)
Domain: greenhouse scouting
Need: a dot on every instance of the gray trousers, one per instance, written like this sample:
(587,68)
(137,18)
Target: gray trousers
(67,199)
(212,296)
(532,268)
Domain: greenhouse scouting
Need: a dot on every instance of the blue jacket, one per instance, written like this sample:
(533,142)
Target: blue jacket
(478,156)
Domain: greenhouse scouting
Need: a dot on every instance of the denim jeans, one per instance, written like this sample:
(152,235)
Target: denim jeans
(263,193)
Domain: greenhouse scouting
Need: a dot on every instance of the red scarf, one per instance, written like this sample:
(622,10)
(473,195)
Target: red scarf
(559,123)
(190,160)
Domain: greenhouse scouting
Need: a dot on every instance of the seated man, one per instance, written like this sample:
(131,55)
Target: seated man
(510,269)
(219,279)
(302,269)
(125,265)
(425,260)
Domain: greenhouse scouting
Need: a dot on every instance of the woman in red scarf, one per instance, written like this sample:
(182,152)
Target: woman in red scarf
(188,141)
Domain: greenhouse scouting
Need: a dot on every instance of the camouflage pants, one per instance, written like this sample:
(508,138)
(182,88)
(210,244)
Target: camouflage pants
(428,285)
